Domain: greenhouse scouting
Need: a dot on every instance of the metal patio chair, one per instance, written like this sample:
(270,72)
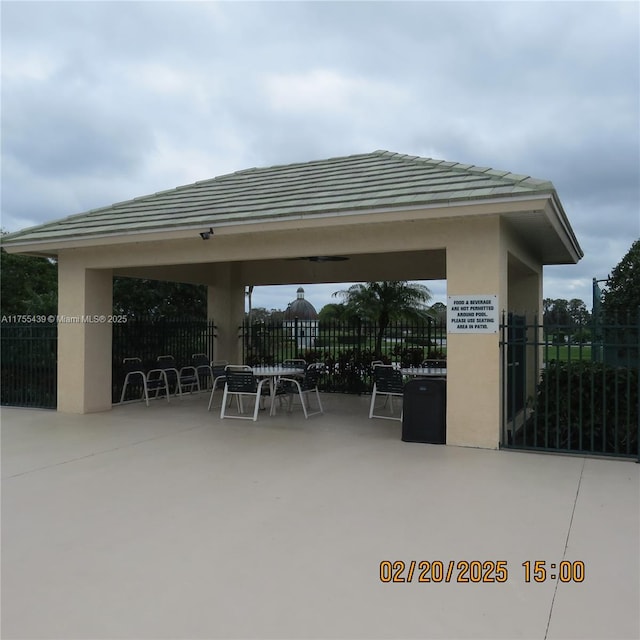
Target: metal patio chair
(304,387)
(134,375)
(183,378)
(158,378)
(167,363)
(219,376)
(387,381)
(374,364)
(240,382)
(201,363)
(188,378)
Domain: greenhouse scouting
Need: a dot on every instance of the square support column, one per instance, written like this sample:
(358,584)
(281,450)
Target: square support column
(85,302)
(525,299)
(225,306)
(475,268)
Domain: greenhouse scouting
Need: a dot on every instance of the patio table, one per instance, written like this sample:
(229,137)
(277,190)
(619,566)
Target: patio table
(274,373)
(424,372)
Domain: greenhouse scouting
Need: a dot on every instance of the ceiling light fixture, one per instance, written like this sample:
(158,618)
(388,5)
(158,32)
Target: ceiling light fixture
(322,258)
(327,258)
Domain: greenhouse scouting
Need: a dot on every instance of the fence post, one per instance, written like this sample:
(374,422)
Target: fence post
(503,378)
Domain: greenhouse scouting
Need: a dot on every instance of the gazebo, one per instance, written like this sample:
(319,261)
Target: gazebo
(301,321)
(386,216)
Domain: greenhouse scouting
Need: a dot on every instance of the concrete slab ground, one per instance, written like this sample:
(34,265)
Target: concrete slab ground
(167,522)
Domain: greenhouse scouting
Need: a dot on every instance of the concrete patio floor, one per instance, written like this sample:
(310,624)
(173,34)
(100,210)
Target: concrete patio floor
(166,522)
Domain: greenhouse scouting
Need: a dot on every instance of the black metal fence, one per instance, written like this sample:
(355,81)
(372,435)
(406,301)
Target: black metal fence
(567,388)
(345,349)
(29,351)
(571,388)
(149,339)
(28,365)
(29,355)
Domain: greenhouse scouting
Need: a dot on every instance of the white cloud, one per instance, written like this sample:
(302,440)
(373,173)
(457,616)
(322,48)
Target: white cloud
(325,90)
(163,79)
(28,65)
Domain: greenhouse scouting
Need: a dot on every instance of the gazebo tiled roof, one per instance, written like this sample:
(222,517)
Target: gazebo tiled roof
(376,181)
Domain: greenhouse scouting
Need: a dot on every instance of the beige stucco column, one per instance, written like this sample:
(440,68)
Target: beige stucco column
(525,299)
(84,336)
(225,306)
(475,267)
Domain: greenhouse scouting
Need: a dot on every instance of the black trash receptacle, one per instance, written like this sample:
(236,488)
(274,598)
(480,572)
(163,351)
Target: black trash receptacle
(424,416)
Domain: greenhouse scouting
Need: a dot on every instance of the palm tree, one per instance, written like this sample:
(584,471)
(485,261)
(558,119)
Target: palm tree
(385,301)
(336,312)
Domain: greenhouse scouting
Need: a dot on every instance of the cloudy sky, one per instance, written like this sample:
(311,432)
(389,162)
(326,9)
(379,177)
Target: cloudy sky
(106,101)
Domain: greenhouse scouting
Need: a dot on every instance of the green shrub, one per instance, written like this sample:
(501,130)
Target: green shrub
(348,371)
(586,406)
(409,356)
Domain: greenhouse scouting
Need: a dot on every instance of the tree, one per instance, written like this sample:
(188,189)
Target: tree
(265,316)
(578,311)
(276,316)
(567,318)
(29,285)
(556,311)
(622,294)
(139,298)
(384,301)
(337,312)
(439,312)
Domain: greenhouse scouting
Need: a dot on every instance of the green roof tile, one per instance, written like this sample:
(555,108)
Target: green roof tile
(382,179)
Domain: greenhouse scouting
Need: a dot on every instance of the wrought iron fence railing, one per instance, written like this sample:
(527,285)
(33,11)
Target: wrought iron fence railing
(29,352)
(345,348)
(571,388)
(568,388)
(149,339)
(28,365)
(29,355)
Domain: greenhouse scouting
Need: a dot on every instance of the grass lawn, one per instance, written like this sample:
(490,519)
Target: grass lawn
(565,353)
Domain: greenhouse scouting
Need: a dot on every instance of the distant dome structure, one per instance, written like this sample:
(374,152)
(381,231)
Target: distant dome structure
(300,308)
(301,321)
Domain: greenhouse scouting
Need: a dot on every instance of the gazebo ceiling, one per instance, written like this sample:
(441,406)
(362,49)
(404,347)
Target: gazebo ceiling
(400,265)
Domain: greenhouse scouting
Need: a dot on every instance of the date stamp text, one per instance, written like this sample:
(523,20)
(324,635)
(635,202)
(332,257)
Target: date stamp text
(478,571)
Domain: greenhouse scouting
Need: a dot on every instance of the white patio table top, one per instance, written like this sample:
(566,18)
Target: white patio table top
(274,373)
(425,372)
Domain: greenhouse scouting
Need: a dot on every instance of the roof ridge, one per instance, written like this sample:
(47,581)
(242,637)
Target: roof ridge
(475,169)
(286,165)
